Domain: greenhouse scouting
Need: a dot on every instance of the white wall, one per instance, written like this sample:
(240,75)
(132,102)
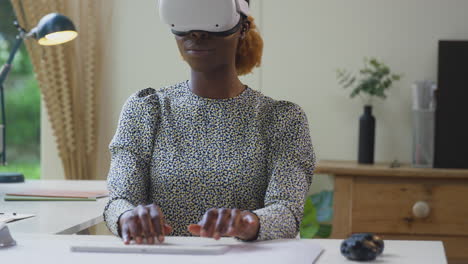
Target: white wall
(142,53)
(305,41)
(316,37)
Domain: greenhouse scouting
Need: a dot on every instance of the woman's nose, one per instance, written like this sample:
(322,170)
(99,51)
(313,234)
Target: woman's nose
(199,34)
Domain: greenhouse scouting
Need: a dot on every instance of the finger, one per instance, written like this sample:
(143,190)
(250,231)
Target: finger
(156,221)
(135,229)
(235,223)
(222,223)
(194,229)
(208,223)
(162,220)
(125,234)
(146,225)
(150,240)
(248,219)
(167,229)
(250,225)
(161,224)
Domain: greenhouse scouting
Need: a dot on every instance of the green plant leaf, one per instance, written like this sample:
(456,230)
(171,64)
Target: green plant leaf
(317,213)
(309,231)
(339,73)
(344,77)
(323,202)
(355,92)
(309,224)
(350,82)
(310,213)
(396,77)
(374,63)
(324,231)
(375,78)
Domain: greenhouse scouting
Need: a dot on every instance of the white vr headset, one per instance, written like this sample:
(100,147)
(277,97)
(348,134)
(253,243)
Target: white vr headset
(217,17)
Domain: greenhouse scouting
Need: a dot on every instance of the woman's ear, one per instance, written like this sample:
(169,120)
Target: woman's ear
(245,29)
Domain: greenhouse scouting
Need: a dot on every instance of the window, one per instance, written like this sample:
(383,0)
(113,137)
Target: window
(22,103)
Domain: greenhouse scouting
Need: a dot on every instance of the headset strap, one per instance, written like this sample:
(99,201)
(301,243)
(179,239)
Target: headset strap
(243,7)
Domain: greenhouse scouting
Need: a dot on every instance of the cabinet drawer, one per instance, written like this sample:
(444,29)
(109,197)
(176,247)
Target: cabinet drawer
(386,207)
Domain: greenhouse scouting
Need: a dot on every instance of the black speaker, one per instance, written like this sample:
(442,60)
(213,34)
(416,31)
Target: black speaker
(451,125)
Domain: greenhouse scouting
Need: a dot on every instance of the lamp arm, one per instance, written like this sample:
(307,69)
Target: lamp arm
(7,66)
(3,75)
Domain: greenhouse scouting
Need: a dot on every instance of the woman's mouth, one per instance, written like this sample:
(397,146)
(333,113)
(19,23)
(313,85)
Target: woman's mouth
(200,52)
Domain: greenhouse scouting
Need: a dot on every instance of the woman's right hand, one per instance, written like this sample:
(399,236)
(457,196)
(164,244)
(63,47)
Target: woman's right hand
(145,222)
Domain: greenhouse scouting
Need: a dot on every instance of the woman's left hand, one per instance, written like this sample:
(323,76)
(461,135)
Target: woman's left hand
(227,222)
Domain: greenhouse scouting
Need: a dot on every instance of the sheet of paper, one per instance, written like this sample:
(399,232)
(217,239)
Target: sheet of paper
(10,217)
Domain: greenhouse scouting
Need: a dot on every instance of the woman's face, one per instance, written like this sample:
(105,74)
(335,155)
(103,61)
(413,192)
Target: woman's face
(205,52)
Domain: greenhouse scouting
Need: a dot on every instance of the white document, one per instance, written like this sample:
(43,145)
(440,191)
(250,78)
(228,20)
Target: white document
(10,217)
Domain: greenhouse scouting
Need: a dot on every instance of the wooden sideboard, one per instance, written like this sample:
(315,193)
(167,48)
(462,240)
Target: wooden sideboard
(401,203)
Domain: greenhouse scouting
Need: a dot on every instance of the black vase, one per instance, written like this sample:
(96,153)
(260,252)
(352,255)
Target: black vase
(366,136)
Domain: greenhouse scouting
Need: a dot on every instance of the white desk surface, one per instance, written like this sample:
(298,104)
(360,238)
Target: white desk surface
(36,242)
(54,217)
(56,249)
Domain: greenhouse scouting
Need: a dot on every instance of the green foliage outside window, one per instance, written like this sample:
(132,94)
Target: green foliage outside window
(21,64)
(22,103)
(23,119)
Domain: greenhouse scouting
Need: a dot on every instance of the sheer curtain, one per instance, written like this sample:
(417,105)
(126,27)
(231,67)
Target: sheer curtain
(67,79)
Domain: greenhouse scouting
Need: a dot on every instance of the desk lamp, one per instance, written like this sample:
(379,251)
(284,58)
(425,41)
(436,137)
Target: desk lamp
(52,29)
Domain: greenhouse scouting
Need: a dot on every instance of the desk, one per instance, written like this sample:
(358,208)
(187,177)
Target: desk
(54,217)
(377,198)
(55,249)
(36,239)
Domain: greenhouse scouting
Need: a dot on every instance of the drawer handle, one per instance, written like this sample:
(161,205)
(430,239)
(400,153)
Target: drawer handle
(421,209)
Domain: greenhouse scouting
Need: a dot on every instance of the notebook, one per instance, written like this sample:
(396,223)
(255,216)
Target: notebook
(44,198)
(61,194)
(55,195)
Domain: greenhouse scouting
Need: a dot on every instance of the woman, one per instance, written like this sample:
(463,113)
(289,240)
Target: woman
(210,157)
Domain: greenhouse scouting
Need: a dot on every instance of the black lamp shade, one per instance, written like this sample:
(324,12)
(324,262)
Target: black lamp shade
(54,29)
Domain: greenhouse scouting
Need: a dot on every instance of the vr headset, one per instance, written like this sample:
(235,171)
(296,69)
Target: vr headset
(217,17)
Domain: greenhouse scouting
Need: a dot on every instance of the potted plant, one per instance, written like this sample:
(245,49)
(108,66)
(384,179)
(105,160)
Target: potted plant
(373,81)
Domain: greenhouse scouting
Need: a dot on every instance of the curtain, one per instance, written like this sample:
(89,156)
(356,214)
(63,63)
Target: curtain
(67,79)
